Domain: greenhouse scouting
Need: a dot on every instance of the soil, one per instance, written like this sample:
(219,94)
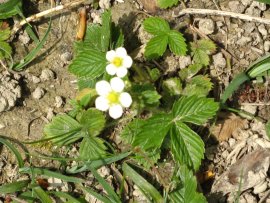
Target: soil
(244,42)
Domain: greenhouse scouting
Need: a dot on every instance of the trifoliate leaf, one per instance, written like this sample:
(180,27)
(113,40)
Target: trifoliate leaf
(194,109)
(201,51)
(187,146)
(153,132)
(177,43)
(154,74)
(63,130)
(187,191)
(92,148)
(156,25)
(156,46)
(190,71)
(88,63)
(167,3)
(93,121)
(199,85)
(173,86)
(150,97)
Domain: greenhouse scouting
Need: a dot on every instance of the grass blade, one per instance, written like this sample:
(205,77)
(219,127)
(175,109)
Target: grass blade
(42,195)
(45,172)
(148,190)
(19,66)
(13,187)
(112,195)
(65,196)
(95,194)
(14,150)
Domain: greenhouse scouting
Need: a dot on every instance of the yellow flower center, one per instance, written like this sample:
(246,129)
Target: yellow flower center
(113,97)
(117,61)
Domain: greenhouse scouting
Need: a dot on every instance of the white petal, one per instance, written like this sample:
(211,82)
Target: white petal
(125,99)
(121,72)
(116,111)
(121,52)
(117,84)
(102,103)
(111,69)
(110,55)
(103,87)
(127,62)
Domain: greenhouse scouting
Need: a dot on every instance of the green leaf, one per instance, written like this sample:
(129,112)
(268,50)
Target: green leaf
(167,3)
(5,50)
(85,82)
(95,194)
(177,43)
(42,195)
(201,51)
(148,190)
(92,148)
(173,86)
(194,109)
(187,146)
(105,31)
(14,187)
(132,129)
(156,46)
(187,192)
(63,130)
(153,132)
(4,34)
(151,97)
(148,158)
(65,196)
(92,121)
(118,37)
(199,85)
(89,63)
(190,71)
(156,25)
(264,1)
(10,8)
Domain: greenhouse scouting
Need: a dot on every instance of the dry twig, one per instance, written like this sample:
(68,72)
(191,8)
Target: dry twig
(245,17)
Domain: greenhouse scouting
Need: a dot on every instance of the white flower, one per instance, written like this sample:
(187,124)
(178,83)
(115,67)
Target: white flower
(112,98)
(119,62)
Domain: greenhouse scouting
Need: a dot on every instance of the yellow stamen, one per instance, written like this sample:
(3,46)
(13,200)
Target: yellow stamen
(117,61)
(113,97)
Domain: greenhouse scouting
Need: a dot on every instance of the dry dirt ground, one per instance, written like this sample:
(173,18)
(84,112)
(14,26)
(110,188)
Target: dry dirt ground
(47,87)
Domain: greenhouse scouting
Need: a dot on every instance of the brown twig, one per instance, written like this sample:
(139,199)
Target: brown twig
(194,11)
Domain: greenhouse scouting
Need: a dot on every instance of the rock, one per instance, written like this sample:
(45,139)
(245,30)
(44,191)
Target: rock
(58,101)
(246,2)
(260,187)
(137,193)
(46,74)
(261,6)
(91,198)
(24,38)
(219,61)
(96,16)
(104,4)
(249,27)
(184,61)
(104,171)
(2,126)
(236,6)
(206,26)
(35,79)
(10,92)
(250,109)
(66,57)
(143,36)
(263,31)
(50,114)
(266,46)
(170,63)
(243,40)
(38,93)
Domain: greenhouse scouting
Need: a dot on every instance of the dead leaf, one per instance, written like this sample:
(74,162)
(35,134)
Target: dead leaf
(82,24)
(227,125)
(149,5)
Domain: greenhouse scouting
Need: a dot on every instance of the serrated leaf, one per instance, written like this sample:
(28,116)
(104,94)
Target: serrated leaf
(177,43)
(167,3)
(89,63)
(92,148)
(194,109)
(132,129)
(10,8)
(151,97)
(4,34)
(85,82)
(187,192)
(63,130)
(173,86)
(156,25)
(92,121)
(153,132)
(199,85)
(106,31)
(5,50)
(148,158)
(156,46)
(190,71)
(14,187)
(201,51)
(187,146)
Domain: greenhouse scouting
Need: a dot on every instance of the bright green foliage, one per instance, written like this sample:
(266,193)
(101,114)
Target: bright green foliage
(148,190)
(41,195)
(163,36)
(264,1)
(187,147)
(147,158)
(13,187)
(92,148)
(201,51)
(5,48)
(186,192)
(173,86)
(167,3)
(10,8)
(154,74)
(90,61)
(199,85)
(190,71)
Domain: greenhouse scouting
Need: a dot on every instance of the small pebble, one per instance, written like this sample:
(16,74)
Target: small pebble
(35,79)
(38,93)
(66,57)
(207,26)
(58,101)
(46,74)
